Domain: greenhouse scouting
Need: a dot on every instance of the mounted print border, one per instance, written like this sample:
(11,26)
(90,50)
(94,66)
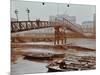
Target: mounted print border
(52,37)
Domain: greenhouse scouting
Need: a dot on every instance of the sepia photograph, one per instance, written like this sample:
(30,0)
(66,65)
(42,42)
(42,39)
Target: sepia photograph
(52,37)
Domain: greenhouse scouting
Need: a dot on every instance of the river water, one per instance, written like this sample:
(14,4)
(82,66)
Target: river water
(28,67)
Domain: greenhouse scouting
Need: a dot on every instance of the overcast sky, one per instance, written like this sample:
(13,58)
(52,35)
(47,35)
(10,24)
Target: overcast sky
(37,10)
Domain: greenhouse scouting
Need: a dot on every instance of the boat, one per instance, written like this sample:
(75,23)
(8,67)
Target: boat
(57,68)
(59,55)
(38,56)
(43,56)
(71,65)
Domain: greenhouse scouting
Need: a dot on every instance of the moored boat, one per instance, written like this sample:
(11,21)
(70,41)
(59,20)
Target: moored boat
(71,65)
(43,56)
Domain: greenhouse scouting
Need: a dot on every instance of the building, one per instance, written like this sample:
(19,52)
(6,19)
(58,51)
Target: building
(88,26)
(70,18)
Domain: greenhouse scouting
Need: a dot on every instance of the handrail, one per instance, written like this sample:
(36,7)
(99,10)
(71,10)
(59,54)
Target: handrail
(69,24)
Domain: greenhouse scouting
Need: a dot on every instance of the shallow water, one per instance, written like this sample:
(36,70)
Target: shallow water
(25,66)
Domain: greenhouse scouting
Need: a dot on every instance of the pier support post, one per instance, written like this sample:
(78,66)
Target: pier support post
(56,39)
(59,35)
(62,41)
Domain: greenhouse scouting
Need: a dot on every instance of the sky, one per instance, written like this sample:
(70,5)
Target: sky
(42,12)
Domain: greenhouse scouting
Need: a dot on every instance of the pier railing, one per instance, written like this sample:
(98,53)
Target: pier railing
(17,26)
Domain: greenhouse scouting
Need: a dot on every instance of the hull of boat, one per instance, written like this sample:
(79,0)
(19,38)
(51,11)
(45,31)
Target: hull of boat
(34,57)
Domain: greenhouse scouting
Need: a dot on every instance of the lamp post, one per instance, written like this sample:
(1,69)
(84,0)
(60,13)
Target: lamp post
(28,11)
(16,12)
